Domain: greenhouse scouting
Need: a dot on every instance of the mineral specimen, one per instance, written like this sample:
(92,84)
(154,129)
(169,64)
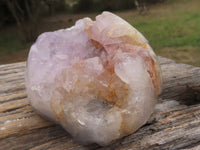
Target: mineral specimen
(98,79)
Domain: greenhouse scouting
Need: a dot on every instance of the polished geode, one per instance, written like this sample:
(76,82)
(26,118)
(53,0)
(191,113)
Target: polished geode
(98,79)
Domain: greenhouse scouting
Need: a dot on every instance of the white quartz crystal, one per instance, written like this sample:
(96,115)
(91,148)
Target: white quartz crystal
(98,79)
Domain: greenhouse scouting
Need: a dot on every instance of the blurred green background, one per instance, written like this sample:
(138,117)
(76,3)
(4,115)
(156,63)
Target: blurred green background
(171,26)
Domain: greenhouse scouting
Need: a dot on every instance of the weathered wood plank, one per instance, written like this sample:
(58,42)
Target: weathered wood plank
(172,129)
(175,123)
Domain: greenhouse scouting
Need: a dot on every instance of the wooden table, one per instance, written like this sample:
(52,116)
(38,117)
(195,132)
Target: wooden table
(175,123)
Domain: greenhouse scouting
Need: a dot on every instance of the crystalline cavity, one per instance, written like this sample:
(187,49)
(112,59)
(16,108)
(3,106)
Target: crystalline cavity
(98,79)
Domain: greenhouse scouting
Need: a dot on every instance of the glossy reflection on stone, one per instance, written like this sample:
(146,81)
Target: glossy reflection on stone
(98,79)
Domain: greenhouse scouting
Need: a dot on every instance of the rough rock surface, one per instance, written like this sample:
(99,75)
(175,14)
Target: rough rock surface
(98,79)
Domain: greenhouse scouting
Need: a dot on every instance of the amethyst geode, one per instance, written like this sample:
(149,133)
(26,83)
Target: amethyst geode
(98,79)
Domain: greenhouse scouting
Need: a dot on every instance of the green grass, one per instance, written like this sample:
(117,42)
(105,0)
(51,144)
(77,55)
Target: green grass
(11,42)
(172,31)
(172,28)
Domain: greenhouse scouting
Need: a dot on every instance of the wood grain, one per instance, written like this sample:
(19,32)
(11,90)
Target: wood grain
(175,123)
